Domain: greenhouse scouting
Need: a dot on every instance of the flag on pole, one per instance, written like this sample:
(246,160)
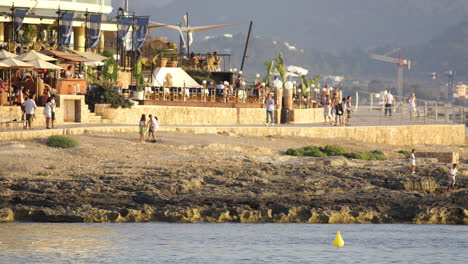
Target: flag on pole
(141,32)
(66,21)
(94,30)
(18,14)
(124,27)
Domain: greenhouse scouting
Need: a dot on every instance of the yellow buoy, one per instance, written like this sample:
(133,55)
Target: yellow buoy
(339,242)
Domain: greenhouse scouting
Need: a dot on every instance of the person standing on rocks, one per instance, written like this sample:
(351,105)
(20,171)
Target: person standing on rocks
(29,107)
(270,108)
(452,175)
(413,161)
(142,128)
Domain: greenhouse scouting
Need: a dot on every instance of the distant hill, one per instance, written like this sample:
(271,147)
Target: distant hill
(447,51)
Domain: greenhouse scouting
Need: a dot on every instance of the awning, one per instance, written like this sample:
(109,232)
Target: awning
(65,56)
(91,55)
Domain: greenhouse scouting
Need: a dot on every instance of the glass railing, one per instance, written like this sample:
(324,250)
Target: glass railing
(92,2)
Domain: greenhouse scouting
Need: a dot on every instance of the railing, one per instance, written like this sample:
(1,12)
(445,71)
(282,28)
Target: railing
(370,108)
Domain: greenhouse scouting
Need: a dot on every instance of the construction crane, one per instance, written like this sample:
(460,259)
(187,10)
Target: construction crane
(400,62)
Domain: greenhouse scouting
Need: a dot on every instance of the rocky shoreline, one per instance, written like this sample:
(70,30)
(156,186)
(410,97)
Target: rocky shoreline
(218,183)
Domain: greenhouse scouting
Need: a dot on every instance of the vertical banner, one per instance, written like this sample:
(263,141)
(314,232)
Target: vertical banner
(141,31)
(18,17)
(124,26)
(66,20)
(94,30)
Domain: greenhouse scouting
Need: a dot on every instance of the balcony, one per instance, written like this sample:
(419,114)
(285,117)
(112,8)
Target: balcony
(95,6)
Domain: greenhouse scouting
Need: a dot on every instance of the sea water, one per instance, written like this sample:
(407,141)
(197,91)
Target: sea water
(230,243)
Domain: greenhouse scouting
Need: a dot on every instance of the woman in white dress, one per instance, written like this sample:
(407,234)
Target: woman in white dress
(412,105)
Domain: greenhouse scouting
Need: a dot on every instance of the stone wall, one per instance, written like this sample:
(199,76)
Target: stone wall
(394,135)
(10,113)
(447,157)
(175,115)
(307,116)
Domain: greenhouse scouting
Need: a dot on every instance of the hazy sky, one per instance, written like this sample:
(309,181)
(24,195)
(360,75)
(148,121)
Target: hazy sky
(323,24)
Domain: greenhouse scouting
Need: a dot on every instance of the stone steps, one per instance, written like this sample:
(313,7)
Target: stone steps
(96,119)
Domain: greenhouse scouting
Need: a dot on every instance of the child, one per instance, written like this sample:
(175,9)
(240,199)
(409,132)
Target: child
(452,174)
(142,127)
(413,161)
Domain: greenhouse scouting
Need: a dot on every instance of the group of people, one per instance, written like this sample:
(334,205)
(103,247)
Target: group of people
(337,109)
(149,127)
(28,112)
(211,62)
(452,173)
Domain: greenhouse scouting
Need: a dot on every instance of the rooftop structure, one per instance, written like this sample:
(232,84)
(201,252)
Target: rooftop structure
(50,7)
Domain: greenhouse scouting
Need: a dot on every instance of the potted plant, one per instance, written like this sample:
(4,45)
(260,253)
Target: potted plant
(139,93)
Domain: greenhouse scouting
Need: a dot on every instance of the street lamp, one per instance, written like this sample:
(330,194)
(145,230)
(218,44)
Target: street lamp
(203,94)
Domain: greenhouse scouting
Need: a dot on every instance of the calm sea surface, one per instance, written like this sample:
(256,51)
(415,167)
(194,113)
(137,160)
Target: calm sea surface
(230,243)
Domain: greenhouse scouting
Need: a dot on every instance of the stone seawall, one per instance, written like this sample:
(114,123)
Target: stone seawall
(208,116)
(394,135)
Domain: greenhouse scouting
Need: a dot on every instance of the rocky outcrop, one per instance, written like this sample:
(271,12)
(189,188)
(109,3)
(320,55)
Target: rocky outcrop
(333,190)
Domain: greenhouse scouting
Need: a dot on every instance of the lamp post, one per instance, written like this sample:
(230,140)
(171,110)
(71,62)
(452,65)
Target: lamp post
(294,88)
(203,94)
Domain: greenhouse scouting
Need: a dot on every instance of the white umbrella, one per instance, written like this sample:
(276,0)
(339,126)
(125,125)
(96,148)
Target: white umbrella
(16,64)
(5,55)
(42,64)
(32,55)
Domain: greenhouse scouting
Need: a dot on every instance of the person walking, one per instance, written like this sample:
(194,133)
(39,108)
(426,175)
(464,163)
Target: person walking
(349,109)
(270,108)
(412,105)
(152,127)
(53,105)
(29,107)
(142,128)
(388,103)
(326,109)
(48,112)
(339,114)
(452,175)
(412,159)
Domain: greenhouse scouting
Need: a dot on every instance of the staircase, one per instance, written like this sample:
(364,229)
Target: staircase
(96,119)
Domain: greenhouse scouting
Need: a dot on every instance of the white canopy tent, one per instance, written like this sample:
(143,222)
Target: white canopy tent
(179,78)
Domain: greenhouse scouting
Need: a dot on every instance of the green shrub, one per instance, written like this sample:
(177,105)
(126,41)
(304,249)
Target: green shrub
(42,173)
(333,150)
(364,156)
(62,142)
(313,152)
(292,152)
(377,152)
(105,92)
(52,167)
(404,153)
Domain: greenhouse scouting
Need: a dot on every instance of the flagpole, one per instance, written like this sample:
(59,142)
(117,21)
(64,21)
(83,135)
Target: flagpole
(86,30)
(188,40)
(246,45)
(13,35)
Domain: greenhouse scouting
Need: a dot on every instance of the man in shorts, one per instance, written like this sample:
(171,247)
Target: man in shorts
(29,107)
(452,175)
(152,127)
